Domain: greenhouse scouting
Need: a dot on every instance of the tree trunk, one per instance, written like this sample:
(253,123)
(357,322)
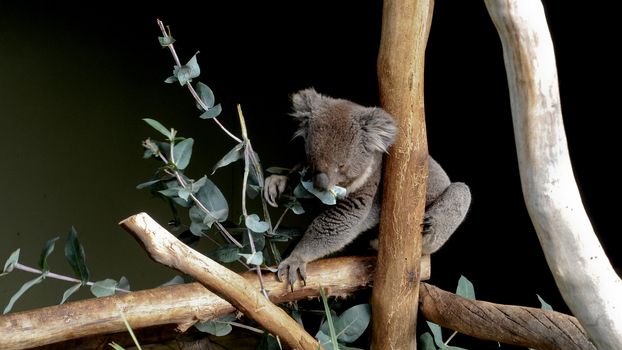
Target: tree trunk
(405,28)
(582,271)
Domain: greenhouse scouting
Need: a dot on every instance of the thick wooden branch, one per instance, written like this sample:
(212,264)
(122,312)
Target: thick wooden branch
(164,248)
(405,28)
(509,324)
(582,271)
(183,305)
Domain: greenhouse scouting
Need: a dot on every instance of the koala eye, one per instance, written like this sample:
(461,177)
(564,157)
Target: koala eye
(342,166)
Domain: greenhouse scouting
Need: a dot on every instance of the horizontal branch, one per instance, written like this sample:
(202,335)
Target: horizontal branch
(183,305)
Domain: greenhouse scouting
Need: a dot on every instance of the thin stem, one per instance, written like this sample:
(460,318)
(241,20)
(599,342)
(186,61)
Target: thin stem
(450,337)
(57,276)
(256,330)
(278,222)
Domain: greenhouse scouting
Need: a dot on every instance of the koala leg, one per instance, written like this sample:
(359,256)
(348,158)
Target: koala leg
(444,215)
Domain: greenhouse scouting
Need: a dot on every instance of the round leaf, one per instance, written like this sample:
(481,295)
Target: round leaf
(206,94)
(182,153)
(10,263)
(104,288)
(254,224)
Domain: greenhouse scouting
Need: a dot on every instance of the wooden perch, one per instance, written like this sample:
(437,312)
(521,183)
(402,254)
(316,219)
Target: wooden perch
(164,248)
(405,29)
(509,324)
(588,283)
(185,304)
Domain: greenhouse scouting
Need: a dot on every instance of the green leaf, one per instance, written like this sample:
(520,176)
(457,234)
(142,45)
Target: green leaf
(166,40)
(70,291)
(301,192)
(22,290)
(184,193)
(171,79)
(175,280)
(123,284)
(212,112)
(324,340)
(352,323)
(210,196)
(259,239)
(233,155)
(426,342)
(268,342)
(10,263)
(254,258)
(295,206)
(206,94)
(187,72)
(255,224)
(147,184)
(252,191)
(326,197)
(544,304)
(195,70)
(227,253)
(437,333)
(47,250)
(74,252)
(465,288)
(214,327)
(159,127)
(182,153)
(104,288)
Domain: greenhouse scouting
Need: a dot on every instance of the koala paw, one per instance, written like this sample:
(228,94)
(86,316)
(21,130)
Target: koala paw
(428,224)
(274,186)
(290,268)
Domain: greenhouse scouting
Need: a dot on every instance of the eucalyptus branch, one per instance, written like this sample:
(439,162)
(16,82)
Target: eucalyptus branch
(53,275)
(248,151)
(183,184)
(166,35)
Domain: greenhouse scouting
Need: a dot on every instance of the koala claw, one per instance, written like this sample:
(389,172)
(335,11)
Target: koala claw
(274,186)
(291,267)
(427,224)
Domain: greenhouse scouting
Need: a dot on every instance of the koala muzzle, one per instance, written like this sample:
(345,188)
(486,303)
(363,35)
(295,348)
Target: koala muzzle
(320,181)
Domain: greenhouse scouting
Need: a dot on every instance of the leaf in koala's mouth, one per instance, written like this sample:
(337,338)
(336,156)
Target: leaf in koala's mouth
(327,197)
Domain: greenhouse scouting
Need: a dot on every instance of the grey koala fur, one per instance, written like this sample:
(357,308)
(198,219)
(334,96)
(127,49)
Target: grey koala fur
(344,144)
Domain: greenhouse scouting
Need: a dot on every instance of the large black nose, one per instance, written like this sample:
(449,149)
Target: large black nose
(320,181)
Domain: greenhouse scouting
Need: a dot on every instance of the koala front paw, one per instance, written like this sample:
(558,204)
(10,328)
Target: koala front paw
(290,268)
(274,186)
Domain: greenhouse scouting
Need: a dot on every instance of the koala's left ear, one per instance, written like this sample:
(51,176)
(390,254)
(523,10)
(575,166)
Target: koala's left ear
(379,129)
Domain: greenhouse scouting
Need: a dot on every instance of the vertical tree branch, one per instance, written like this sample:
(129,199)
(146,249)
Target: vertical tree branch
(405,28)
(579,265)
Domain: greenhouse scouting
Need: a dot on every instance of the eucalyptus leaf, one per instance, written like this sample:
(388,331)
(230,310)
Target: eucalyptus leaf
(195,70)
(255,224)
(259,240)
(326,197)
(182,153)
(465,288)
(252,191)
(233,155)
(544,304)
(437,333)
(212,112)
(159,127)
(175,280)
(104,288)
(214,327)
(10,263)
(253,258)
(47,250)
(116,346)
(166,40)
(22,290)
(206,94)
(147,184)
(324,340)
(426,342)
(352,323)
(210,196)
(70,291)
(227,253)
(301,192)
(268,342)
(171,79)
(184,193)
(123,286)
(74,252)
(295,207)
(197,228)
(170,192)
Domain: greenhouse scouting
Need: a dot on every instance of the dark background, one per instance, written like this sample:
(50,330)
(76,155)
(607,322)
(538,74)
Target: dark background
(75,82)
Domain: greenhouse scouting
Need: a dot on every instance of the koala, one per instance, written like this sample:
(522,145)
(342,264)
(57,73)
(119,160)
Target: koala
(344,144)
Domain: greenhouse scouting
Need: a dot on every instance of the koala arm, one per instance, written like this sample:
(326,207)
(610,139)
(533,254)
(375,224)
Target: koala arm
(332,230)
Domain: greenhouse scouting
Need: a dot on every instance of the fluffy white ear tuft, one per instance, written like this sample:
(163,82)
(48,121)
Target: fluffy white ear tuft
(303,103)
(379,129)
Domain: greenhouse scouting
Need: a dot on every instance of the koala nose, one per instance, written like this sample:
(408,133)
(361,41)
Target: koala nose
(320,181)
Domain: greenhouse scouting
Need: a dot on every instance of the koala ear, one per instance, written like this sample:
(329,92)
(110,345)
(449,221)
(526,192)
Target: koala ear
(379,129)
(303,104)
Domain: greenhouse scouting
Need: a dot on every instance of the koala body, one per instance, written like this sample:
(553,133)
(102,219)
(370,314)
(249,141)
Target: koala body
(344,144)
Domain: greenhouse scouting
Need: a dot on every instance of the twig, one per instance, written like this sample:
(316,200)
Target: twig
(49,274)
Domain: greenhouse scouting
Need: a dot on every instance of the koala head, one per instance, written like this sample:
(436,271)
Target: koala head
(343,140)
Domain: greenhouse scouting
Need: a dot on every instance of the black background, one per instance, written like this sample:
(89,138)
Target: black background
(258,53)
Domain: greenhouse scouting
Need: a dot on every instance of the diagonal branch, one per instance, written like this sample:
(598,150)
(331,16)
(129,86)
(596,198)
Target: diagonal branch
(582,271)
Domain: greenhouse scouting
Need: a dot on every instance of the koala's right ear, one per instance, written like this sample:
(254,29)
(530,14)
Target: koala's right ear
(303,103)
